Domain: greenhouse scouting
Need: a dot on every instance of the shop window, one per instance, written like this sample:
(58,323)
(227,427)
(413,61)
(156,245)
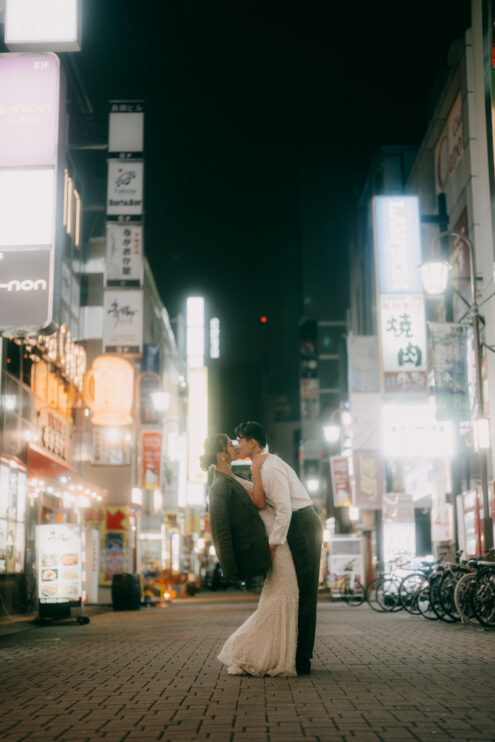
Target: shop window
(12,519)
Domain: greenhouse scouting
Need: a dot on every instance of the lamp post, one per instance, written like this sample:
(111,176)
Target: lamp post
(434,275)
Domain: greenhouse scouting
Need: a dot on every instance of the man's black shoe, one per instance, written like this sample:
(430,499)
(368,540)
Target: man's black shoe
(303,667)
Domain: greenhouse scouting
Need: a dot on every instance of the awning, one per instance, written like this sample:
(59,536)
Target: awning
(47,465)
(44,466)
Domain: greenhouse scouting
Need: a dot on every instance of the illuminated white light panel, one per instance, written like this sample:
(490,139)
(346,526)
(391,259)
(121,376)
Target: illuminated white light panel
(195,321)
(41,21)
(214,337)
(411,430)
(26,207)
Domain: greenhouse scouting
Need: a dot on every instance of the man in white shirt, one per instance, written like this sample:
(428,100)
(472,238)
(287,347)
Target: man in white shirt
(296,522)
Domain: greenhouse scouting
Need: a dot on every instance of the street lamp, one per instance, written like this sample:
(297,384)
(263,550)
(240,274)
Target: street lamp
(331,433)
(434,275)
(332,429)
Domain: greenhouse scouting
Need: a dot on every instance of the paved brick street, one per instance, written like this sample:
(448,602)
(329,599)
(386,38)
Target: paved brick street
(152,675)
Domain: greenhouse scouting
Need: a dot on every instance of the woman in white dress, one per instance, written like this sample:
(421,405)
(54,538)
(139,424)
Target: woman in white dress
(266,642)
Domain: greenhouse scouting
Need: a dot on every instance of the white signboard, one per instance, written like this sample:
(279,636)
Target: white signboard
(49,25)
(366,422)
(403,343)
(123,322)
(411,429)
(364,363)
(29,114)
(27,202)
(124,263)
(125,187)
(59,563)
(442,521)
(397,244)
(126,126)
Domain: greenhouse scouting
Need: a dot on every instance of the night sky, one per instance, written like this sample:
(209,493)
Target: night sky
(241,97)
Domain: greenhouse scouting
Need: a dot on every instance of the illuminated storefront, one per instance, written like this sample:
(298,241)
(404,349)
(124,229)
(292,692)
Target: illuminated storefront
(39,484)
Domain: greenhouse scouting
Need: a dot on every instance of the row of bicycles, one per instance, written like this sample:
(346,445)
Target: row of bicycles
(449,591)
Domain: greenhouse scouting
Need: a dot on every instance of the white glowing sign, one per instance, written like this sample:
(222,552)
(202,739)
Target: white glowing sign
(403,343)
(195,343)
(214,337)
(27,198)
(126,126)
(42,25)
(397,244)
(412,430)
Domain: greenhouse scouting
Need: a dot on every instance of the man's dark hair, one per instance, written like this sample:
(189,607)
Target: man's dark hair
(252,429)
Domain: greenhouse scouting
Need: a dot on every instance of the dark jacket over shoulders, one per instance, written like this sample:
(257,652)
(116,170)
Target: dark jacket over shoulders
(238,533)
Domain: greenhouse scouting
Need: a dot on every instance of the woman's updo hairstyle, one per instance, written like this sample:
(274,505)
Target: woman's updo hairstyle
(213,444)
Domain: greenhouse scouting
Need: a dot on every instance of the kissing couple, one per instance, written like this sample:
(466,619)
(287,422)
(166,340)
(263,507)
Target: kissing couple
(266,527)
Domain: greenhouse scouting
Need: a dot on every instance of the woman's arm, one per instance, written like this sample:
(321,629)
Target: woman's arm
(258,493)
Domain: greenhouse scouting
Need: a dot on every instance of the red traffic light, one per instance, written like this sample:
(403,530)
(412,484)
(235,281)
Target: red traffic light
(263,320)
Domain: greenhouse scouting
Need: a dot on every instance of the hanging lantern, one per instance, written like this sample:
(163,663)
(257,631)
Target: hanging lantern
(435,276)
(108,390)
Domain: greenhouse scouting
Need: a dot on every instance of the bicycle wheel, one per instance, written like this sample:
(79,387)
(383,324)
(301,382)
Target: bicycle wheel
(409,587)
(435,599)
(423,602)
(387,595)
(446,595)
(355,595)
(484,599)
(371,592)
(464,600)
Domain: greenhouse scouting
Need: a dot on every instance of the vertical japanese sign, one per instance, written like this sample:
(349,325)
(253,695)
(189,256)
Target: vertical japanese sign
(401,303)
(151,459)
(341,481)
(448,351)
(369,479)
(403,343)
(397,244)
(308,374)
(125,188)
(123,313)
(124,263)
(126,127)
(123,322)
(29,130)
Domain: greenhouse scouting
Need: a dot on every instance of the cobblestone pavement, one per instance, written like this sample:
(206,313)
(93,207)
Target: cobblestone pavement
(153,675)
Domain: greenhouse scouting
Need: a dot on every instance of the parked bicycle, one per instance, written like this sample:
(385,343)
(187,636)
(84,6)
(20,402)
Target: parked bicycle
(349,587)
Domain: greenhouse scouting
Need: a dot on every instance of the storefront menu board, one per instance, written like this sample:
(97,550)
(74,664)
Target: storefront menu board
(59,563)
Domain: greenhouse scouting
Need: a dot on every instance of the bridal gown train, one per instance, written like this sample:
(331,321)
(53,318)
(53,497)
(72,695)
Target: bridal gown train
(266,642)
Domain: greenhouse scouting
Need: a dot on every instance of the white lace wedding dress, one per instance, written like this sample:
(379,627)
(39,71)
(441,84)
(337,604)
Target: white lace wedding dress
(265,644)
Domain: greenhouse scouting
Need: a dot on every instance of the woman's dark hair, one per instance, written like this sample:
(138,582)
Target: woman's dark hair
(213,444)
(252,429)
